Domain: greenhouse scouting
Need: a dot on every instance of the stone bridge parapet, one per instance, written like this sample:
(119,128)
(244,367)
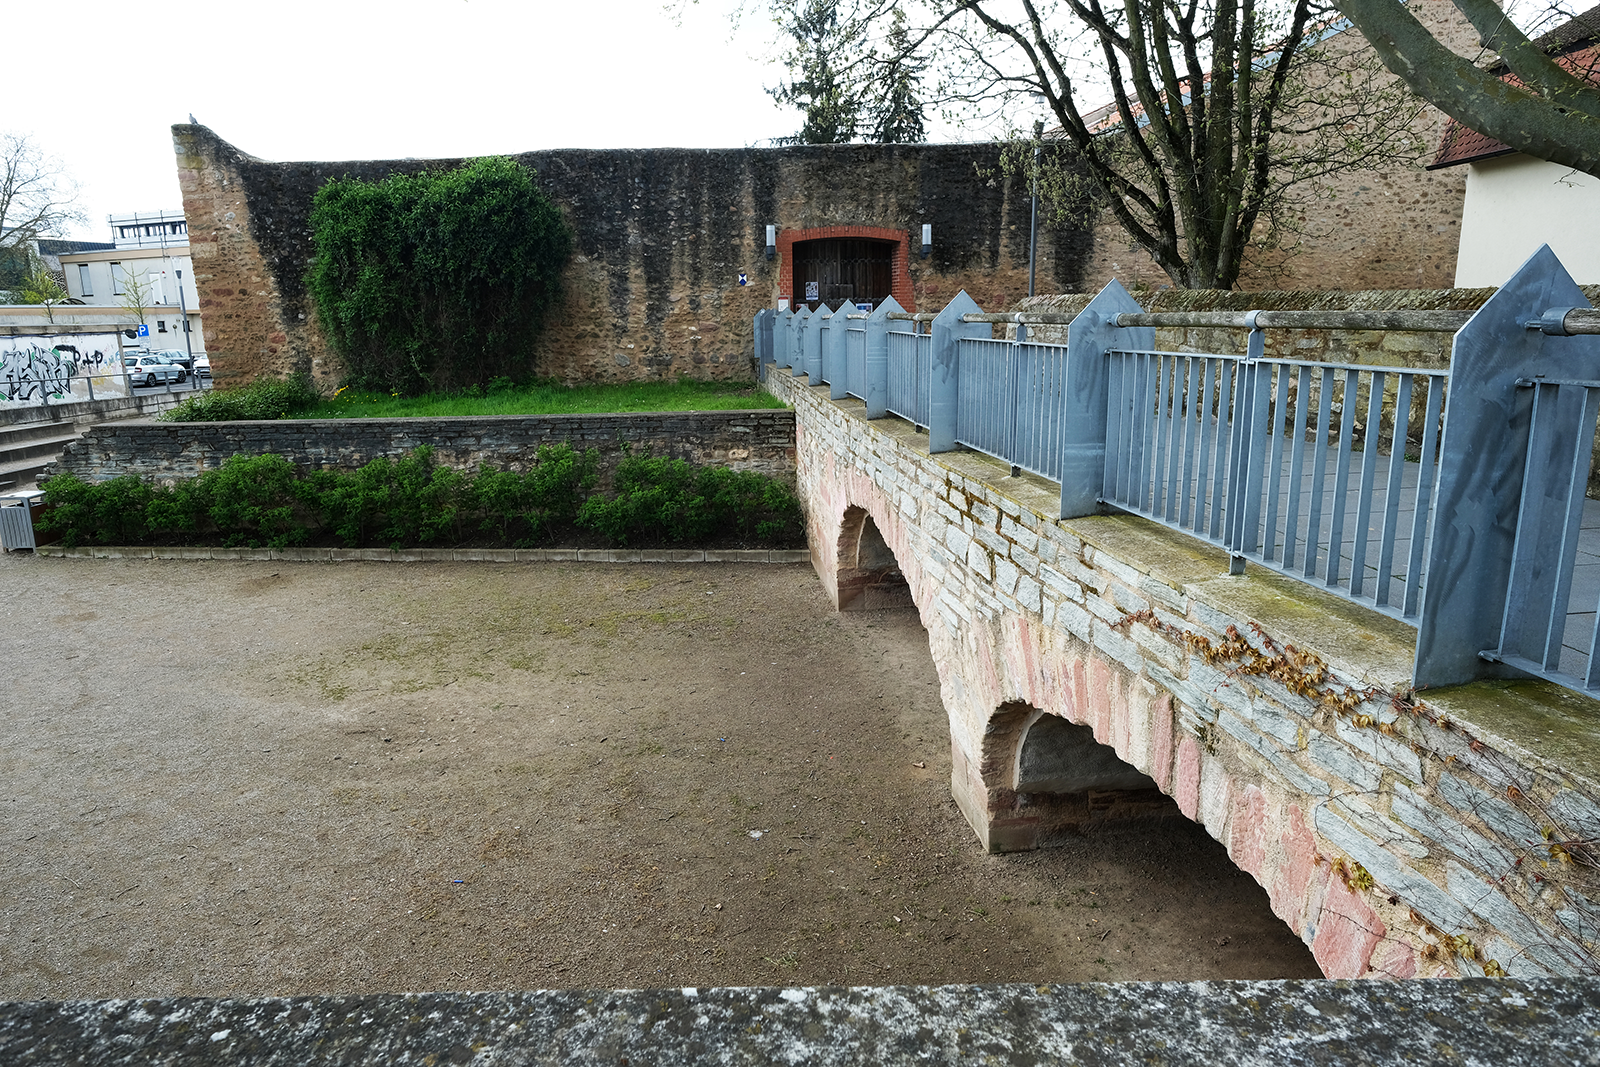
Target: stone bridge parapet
(1398,835)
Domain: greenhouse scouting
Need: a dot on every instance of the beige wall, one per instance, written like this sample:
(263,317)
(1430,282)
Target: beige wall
(1516,203)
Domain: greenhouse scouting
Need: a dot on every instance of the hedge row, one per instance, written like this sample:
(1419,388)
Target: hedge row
(404,503)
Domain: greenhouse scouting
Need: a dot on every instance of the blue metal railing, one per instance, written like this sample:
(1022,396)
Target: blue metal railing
(1321,471)
(1011,402)
(1457,501)
(910,371)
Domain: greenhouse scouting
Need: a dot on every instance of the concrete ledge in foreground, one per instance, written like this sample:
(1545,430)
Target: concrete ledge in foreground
(1272,1024)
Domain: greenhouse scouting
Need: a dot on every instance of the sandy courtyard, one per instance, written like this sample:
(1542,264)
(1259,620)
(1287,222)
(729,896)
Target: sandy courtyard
(284,778)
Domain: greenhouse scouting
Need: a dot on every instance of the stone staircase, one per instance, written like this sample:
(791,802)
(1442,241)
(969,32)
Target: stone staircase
(27,448)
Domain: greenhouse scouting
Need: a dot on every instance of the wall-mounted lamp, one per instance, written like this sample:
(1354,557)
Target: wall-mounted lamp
(927,239)
(772,242)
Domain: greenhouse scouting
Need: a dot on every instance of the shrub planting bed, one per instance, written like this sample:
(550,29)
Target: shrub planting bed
(266,501)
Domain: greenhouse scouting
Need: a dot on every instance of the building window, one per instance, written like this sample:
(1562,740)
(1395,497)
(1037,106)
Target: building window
(85,289)
(116,279)
(161,326)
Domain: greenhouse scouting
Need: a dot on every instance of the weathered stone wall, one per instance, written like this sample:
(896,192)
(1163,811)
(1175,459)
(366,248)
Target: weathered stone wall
(662,237)
(1396,837)
(761,440)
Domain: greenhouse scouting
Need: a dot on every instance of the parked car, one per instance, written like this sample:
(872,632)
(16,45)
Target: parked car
(150,369)
(202,366)
(178,356)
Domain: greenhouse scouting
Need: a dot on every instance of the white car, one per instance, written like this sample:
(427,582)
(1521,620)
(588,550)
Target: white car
(149,370)
(202,365)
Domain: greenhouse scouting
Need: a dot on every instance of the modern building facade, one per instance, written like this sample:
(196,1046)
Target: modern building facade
(148,254)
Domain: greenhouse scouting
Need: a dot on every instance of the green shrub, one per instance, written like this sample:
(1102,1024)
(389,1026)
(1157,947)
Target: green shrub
(437,281)
(264,398)
(266,500)
(97,513)
(670,500)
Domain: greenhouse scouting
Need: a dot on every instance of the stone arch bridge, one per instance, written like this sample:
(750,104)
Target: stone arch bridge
(1108,666)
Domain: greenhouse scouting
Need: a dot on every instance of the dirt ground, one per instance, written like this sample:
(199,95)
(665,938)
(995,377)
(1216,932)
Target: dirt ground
(275,778)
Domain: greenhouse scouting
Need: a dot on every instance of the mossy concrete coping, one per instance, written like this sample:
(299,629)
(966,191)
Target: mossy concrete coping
(1275,1024)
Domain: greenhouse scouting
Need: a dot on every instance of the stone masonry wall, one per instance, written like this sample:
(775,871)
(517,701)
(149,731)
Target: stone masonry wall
(760,441)
(663,236)
(1397,837)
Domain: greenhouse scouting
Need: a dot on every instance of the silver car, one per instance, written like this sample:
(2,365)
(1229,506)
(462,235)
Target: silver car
(149,370)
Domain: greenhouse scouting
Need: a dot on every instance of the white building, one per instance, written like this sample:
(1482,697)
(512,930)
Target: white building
(1516,203)
(152,249)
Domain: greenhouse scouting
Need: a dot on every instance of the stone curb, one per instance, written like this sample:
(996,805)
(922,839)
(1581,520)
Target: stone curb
(441,555)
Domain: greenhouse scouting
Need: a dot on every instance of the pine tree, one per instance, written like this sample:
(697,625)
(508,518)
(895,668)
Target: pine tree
(897,113)
(832,112)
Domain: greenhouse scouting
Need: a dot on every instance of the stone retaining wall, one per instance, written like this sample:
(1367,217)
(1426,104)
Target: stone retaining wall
(758,440)
(1398,837)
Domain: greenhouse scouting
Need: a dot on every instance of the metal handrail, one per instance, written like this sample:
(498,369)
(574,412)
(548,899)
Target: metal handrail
(1398,319)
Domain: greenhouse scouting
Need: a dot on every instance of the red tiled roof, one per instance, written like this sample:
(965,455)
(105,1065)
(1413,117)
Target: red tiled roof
(1577,47)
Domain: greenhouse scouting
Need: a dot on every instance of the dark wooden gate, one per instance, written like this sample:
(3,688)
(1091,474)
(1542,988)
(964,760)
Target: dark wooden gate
(832,270)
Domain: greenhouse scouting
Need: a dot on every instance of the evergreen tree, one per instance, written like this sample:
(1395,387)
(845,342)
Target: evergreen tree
(897,113)
(832,112)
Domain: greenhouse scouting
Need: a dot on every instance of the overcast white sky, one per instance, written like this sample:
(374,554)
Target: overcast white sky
(355,79)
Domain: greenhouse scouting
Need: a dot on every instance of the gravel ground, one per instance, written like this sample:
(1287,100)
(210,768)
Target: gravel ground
(297,778)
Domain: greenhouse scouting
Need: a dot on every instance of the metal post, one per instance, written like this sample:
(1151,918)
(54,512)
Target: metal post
(183,307)
(1088,388)
(1033,225)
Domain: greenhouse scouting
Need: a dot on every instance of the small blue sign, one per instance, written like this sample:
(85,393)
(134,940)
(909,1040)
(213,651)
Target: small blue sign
(144,331)
(743,280)
(864,305)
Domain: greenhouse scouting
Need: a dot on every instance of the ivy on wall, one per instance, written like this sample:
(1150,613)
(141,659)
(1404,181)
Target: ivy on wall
(440,280)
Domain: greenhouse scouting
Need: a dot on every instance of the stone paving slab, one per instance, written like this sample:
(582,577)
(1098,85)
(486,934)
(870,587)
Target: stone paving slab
(1271,1024)
(444,555)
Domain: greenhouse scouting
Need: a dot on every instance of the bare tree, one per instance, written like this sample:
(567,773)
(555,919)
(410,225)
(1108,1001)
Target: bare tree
(37,198)
(1548,108)
(1191,121)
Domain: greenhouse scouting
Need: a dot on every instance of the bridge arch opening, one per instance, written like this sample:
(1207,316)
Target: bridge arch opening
(870,578)
(1048,779)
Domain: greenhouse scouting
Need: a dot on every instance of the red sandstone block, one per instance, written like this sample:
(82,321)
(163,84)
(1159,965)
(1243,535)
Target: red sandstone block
(1347,932)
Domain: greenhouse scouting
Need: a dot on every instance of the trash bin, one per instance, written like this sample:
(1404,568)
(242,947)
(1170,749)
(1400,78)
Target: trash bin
(17,512)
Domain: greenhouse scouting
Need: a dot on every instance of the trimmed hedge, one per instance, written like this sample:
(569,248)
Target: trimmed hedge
(267,501)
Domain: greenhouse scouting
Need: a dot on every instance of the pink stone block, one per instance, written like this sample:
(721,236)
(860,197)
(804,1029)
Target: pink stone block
(1394,959)
(1287,890)
(1347,932)
(1247,837)
(1161,743)
(1187,788)
(1100,682)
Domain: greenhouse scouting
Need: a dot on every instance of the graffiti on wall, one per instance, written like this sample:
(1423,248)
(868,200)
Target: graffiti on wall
(49,370)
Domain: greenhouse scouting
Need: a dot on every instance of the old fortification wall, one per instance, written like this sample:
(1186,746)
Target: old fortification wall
(1398,837)
(663,236)
(761,440)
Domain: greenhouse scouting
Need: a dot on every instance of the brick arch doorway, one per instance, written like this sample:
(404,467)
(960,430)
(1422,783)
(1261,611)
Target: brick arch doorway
(834,264)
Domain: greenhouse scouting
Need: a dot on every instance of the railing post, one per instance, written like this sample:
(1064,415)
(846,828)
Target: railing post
(803,331)
(1083,419)
(816,335)
(944,389)
(1482,458)
(834,339)
(763,327)
(783,338)
(878,328)
(1247,457)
